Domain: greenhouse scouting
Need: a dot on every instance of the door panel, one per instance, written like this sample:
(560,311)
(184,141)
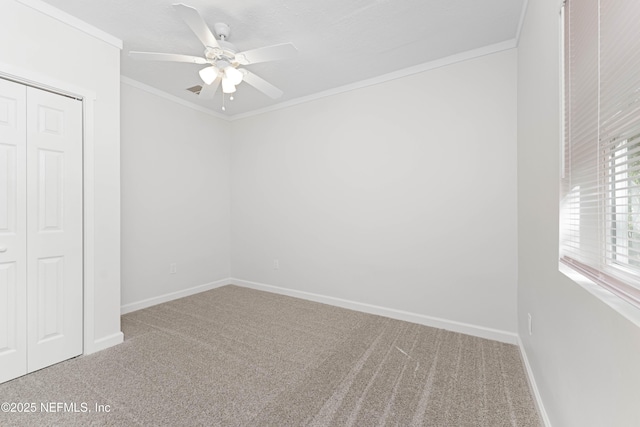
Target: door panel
(54,228)
(13,245)
(8,159)
(50,299)
(50,186)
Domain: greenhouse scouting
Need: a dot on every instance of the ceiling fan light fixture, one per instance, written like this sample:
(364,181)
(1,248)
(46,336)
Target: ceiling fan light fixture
(233,75)
(209,74)
(228,86)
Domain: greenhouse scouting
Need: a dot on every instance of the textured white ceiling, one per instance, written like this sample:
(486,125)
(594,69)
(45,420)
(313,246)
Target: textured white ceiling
(340,42)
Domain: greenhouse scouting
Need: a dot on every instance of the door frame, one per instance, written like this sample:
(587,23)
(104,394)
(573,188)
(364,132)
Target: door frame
(88,98)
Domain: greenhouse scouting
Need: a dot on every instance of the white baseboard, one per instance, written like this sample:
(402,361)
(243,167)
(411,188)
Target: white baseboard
(104,342)
(534,387)
(450,325)
(134,306)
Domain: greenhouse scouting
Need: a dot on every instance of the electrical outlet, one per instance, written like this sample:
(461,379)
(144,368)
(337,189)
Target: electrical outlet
(530,323)
(276,264)
(173,268)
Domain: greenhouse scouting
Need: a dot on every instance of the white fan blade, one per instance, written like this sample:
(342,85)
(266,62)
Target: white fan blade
(172,57)
(208,91)
(262,85)
(268,53)
(194,20)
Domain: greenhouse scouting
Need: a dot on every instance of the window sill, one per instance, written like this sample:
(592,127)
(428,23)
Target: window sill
(624,308)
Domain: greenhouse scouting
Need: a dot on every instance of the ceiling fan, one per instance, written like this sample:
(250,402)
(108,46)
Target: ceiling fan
(222,58)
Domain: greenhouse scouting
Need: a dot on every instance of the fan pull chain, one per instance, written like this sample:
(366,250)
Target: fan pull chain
(230,99)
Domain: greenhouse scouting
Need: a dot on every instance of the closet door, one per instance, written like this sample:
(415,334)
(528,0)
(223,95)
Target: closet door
(13,246)
(54,228)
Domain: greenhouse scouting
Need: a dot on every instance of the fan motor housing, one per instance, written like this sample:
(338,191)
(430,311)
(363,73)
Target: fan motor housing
(225,51)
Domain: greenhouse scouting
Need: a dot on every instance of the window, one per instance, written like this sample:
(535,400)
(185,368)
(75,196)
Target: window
(623,203)
(600,209)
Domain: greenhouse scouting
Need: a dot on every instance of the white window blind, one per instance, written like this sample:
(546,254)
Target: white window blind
(600,209)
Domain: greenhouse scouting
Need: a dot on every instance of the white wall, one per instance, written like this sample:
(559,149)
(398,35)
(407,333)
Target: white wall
(38,45)
(400,195)
(583,354)
(175,197)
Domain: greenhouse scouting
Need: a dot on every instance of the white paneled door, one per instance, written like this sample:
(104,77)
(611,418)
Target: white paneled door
(54,228)
(40,229)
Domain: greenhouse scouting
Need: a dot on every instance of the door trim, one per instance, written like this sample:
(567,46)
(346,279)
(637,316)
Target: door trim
(88,97)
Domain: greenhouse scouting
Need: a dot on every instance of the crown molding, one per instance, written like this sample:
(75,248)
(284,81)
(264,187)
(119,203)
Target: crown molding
(72,21)
(523,15)
(438,63)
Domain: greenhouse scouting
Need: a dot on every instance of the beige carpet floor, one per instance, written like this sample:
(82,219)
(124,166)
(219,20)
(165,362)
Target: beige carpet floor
(238,357)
